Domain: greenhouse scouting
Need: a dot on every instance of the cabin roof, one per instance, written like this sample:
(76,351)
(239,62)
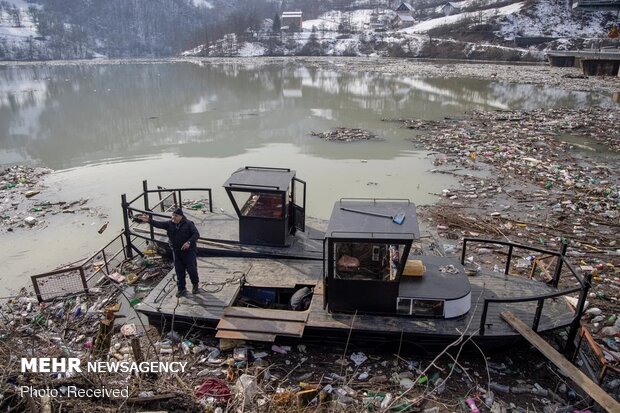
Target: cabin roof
(291,14)
(250,177)
(354,225)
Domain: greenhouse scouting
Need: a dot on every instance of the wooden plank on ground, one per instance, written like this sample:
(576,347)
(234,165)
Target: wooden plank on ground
(266,314)
(577,376)
(245,335)
(282,328)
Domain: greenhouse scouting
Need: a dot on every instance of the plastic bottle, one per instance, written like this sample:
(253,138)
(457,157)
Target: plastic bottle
(185,346)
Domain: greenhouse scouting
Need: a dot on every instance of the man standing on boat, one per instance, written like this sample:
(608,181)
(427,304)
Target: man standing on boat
(182,236)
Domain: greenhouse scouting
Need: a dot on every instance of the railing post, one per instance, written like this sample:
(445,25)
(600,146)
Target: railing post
(558,265)
(483,317)
(128,247)
(105,262)
(210,201)
(574,326)
(145,195)
(463,251)
(538,313)
(180,201)
(507,270)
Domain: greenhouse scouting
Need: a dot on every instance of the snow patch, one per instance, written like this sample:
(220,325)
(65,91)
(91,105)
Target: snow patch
(252,49)
(481,16)
(202,4)
(332,19)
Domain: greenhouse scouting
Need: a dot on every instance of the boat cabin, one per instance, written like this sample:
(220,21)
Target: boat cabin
(270,204)
(368,269)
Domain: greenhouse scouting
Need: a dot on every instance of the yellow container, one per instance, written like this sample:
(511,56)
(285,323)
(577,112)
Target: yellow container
(414,268)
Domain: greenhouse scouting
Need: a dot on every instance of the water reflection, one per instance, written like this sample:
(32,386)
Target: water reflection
(67,116)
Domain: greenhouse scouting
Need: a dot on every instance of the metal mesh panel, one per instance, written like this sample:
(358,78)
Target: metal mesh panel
(59,284)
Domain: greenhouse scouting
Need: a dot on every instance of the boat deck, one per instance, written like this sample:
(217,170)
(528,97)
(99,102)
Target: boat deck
(219,236)
(220,284)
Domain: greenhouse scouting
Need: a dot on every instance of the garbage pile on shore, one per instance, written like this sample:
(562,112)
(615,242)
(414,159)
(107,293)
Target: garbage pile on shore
(21,189)
(346,135)
(540,191)
(238,376)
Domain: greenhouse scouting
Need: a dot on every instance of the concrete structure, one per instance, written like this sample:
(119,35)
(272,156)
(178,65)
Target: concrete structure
(600,62)
(596,4)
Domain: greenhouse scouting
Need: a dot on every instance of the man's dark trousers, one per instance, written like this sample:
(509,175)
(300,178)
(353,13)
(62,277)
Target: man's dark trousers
(185,261)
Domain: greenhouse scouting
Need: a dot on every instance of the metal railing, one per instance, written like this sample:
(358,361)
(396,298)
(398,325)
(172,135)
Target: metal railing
(78,277)
(584,286)
(175,198)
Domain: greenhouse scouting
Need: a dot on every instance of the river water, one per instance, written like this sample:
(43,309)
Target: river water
(103,128)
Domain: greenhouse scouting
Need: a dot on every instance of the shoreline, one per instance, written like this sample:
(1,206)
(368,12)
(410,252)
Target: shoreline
(568,78)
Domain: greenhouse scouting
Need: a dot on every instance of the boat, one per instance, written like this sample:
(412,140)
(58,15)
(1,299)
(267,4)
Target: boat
(368,285)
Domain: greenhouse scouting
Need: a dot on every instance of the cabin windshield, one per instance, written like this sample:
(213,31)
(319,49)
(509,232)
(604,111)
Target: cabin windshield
(367,260)
(259,204)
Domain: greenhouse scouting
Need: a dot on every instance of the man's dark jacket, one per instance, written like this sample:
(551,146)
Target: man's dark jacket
(179,234)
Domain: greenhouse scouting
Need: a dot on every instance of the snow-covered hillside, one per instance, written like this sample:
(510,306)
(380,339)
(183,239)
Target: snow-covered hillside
(552,18)
(482,16)
(490,28)
(358,19)
(17,28)
(473,29)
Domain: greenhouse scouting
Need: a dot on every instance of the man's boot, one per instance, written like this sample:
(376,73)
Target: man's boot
(181,293)
(195,289)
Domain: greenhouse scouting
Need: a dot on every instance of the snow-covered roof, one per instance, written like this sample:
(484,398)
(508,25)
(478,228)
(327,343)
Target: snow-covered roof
(292,14)
(405,17)
(450,4)
(407,5)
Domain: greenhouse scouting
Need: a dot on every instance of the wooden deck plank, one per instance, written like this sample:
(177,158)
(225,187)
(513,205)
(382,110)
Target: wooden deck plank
(283,328)
(266,314)
(245,335)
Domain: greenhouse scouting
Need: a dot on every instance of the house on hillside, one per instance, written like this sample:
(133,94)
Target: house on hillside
(404,8)
(291,21)
(404,15)
(450,8)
